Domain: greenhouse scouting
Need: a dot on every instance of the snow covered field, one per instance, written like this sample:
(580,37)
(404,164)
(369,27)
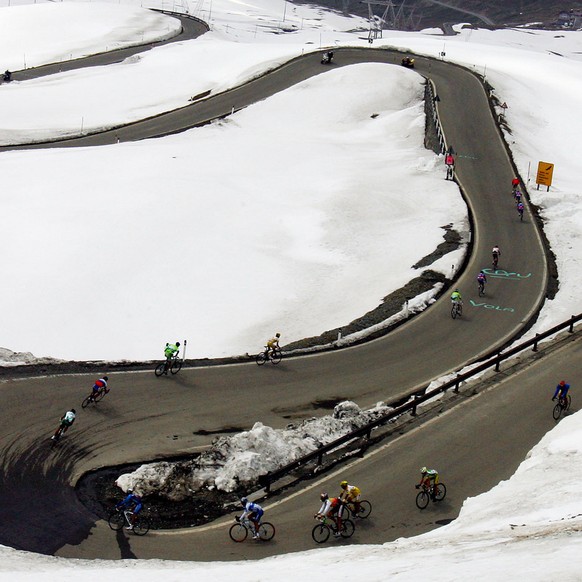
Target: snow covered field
(116,214)
(76,230)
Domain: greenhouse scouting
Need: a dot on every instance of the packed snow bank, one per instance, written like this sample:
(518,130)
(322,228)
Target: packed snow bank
(236,462)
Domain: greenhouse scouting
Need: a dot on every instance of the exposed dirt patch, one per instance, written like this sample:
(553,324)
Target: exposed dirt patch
(99,493)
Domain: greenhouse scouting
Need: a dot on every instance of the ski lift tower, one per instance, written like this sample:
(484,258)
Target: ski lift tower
(391,17)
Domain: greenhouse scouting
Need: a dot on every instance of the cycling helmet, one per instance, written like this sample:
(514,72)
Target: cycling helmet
(424,470)
(562,383)
(73,411)
(129,490)
(324,496)
(177,343)
(277,334)
(343,484)
(105,378)
(244,500)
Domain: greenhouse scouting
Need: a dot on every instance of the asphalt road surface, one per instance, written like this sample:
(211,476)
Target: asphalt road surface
(146,417)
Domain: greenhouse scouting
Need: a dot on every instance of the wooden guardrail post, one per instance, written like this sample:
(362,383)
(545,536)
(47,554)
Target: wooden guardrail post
(265,482)
(571,328)
(413,411)
(498,361)
(535,346)
(457,384)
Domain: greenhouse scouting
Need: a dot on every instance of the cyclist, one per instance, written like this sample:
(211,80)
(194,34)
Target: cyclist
(254,512)
(133,503)
(458,299)
(517,196)
(495,253)
(100,384)
(561,391)
(273,343)
(520,209)
(450,164)
(170,351)
(481,280)
(430,478)
(332,508)
(66,421)
(515,183)
(351,494)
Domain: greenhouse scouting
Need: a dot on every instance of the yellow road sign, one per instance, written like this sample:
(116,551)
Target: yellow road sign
(545,172)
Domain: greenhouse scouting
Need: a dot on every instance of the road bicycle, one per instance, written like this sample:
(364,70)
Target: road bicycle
(481,288)
(495,260)
(95,396)
(456,309)
(364,508)
(240,530)
(57,436)
(119,518)
(273,356)
(325,528)
(562,406)
(174,365)
(435,492)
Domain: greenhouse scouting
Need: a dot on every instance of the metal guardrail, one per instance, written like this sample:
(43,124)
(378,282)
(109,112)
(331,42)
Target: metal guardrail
(181,15)
(269,478)
(433,99)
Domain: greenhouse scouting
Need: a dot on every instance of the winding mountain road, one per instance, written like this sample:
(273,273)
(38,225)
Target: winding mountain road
(146,417)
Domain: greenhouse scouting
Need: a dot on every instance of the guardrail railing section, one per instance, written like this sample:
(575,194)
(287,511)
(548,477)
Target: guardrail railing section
(414,401)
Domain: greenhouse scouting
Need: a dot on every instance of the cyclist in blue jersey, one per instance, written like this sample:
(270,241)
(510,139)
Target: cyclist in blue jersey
(520,208)
(133,503)
(561,390)
(254,512)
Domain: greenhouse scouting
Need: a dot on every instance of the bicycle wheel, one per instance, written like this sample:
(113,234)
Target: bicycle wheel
(276,356)
(320,533)
(160,369)
(481,290)
(422,500)
(365,509)
(261,358)
(454,309)
(266,531)
(440,492)
(238,532)
(141,527)
(176,366)
(86,402)
(116,520)
(100,395)
(557,411)
(348,528)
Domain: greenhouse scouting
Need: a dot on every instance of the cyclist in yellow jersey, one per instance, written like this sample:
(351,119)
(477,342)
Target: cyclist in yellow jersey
(351,494)
(273,343)
(429,477)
